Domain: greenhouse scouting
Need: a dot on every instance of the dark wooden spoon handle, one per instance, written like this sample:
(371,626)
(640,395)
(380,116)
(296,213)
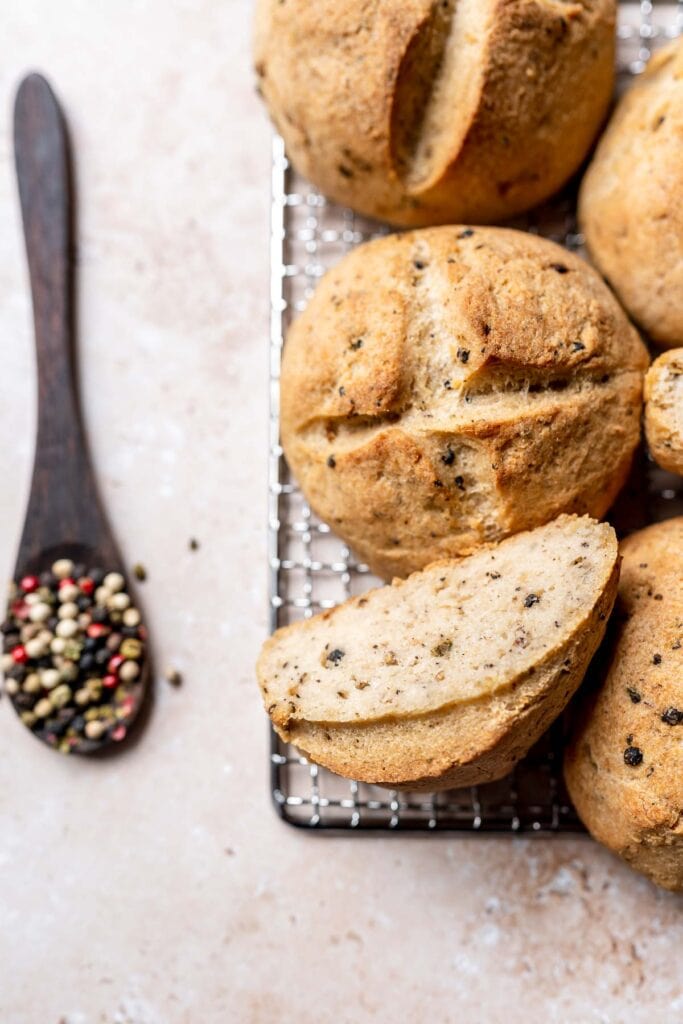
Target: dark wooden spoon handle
(63,505)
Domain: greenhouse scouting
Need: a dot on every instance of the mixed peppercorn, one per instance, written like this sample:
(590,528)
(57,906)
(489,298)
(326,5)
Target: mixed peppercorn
(74,651)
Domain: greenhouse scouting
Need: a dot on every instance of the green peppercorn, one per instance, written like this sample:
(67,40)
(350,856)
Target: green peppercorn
(131,649)
(60,696)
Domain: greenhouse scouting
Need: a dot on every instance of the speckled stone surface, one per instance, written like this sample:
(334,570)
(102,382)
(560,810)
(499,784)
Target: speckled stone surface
(158,887)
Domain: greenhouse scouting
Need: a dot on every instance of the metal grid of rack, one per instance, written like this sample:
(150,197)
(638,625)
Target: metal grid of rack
(310,569)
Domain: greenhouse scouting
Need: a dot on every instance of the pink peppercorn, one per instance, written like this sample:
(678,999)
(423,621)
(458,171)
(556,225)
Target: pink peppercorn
(96,630)
(19,654)
(115,663)
(29,584)
(110,682)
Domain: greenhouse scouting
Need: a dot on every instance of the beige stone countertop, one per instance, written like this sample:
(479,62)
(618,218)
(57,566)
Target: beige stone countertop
(158,887)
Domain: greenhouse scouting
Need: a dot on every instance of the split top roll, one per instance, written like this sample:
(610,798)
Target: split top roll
(427,112)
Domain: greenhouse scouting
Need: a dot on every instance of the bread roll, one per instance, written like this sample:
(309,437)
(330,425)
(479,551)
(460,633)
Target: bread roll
(631,201)
(664,410)
(425,112)
(451,386)
(448,677)
(624,767)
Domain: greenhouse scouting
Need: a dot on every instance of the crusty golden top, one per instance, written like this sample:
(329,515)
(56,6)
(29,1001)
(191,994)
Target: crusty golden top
(450,386)
(631,201)
(427,111)
(626,761)
(664,410)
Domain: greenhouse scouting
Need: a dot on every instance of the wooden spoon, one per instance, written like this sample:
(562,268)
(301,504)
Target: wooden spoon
(65,518)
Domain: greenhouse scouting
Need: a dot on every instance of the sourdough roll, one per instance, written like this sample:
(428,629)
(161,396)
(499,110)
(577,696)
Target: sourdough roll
(446,678)
(624,766)
(448,387)
(433,111)
(631,200)
(664,410)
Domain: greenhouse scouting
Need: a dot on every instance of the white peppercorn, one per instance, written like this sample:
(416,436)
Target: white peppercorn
(69,592)
(131,617)
(62,568)
(36,648)
(129,671)
(49,677)
(39,612)
(67,628)
(94,729)
(114,582)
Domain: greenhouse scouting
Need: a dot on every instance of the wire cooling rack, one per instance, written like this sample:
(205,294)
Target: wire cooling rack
(310,569)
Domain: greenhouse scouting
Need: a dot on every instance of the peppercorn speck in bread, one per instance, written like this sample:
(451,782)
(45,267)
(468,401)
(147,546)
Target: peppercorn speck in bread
(624,766)
(446,678)
(631,201)
(664,410)
(447,387)
(434,111)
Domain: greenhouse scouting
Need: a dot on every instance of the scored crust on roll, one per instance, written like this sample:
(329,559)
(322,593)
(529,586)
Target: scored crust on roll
(451,386)
(448,677)
(433,111)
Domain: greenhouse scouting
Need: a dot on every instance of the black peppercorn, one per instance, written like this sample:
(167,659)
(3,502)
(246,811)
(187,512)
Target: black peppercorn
(634,695)
(87,662)
(530,600)
(633,756)
(331,461)
(448,458)
(335,656)
(97,575)
(83,603)
(672,716)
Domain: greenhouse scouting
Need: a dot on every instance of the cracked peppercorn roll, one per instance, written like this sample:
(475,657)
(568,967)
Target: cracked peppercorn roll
(664,410)
(451,386)
(446,678)
(624,766)
(631,200)
(433,111)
